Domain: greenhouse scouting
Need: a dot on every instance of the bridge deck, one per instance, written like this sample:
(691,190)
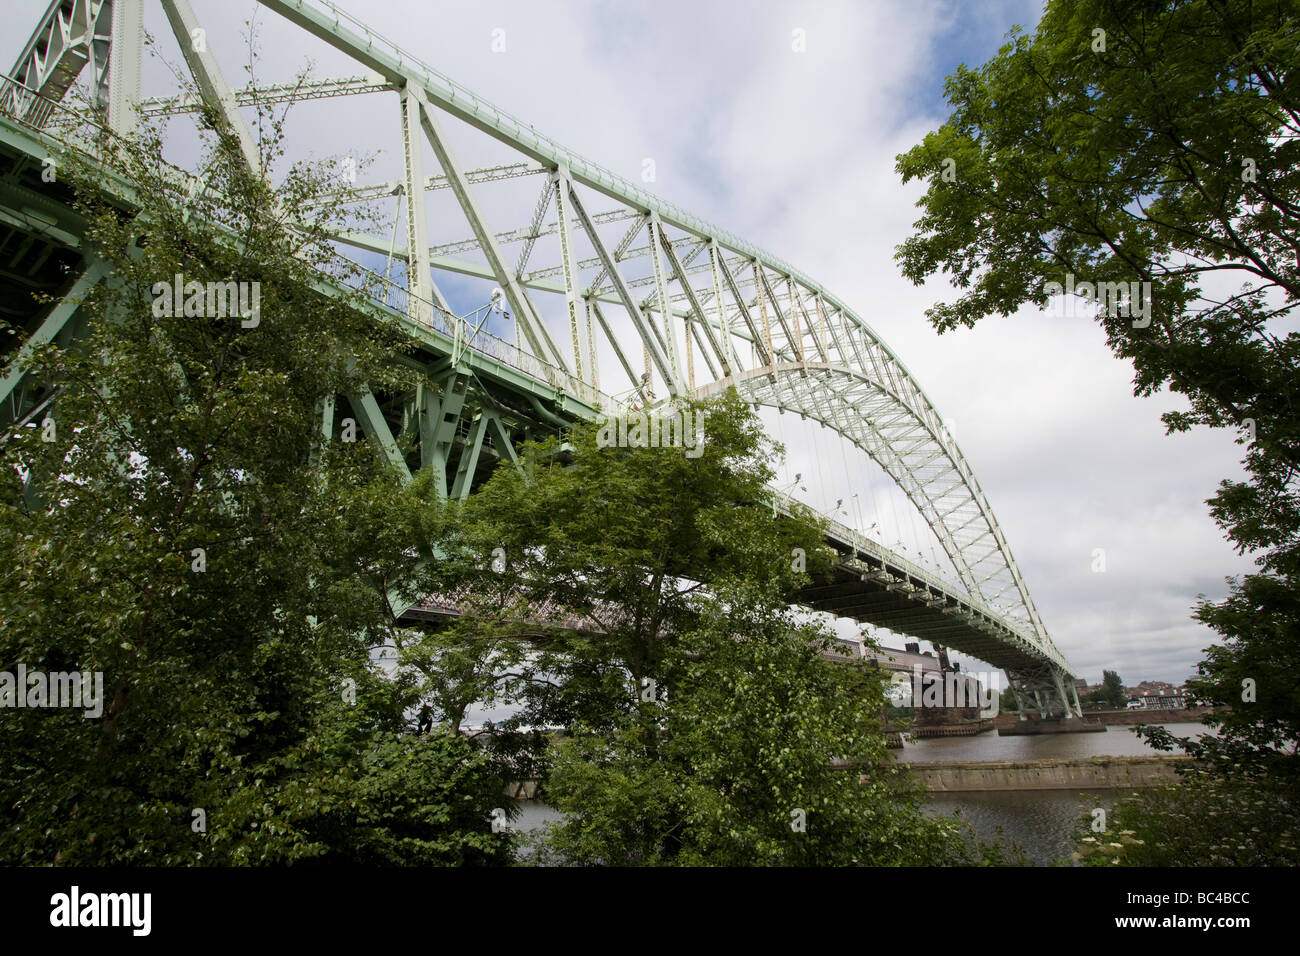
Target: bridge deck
(873,585)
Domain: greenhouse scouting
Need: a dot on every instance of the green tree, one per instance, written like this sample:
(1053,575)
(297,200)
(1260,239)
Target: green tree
(702,725)
(1155,142)
(764,753)
(1206,818)
(1112,689)
(189,534)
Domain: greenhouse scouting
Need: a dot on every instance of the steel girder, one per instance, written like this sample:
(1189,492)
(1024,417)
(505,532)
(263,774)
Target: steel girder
(67,38)
(764,326)
(909,442)
(873,585)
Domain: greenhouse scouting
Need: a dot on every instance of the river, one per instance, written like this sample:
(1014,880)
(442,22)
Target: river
(1115,742)
(1040,823)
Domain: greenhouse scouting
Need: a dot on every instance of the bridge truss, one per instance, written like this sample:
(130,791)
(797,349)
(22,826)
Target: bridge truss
(602,276)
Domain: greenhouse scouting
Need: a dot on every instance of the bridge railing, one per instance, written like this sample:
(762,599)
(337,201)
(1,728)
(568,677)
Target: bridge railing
(54,117)
(851,536)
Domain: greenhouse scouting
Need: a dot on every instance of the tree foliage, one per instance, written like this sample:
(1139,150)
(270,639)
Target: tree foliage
(190,534)
(1155,142)
(1205,819)
(702,725)
(1150,142)
(1112,688)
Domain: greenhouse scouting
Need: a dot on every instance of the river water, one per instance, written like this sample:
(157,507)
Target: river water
(1115,742)
(1038,823)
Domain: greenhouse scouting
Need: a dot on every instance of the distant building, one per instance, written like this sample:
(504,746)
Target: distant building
(1148,687)
(844,649)
(1158,700)
(892,659)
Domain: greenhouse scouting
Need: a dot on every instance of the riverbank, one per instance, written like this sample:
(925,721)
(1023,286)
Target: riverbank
(1076,773)
(975,776)
(1123,717)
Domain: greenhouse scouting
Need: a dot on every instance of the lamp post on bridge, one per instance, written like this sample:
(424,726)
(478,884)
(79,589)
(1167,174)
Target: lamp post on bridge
(787,488)
(857,515)
(459,346)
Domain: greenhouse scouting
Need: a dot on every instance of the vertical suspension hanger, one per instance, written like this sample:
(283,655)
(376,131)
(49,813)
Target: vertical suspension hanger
(392,244)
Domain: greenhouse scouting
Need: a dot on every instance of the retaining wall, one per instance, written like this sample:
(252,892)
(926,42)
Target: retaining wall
(1078,773)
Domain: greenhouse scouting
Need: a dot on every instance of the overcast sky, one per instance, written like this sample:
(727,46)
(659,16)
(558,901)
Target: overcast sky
(795,151)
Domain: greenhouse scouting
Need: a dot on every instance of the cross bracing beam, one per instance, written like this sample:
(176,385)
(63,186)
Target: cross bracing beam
(645,328)
(697,309)
(532,279)
(666,334)
(559,186)
(632,377)
(68,37)
(756,337)
(462,267)
(418,278)
(532,233)
(771,299)
(487,174)
(620,251)
(372,421)
(527,319)
(50,327)
(206,72)
(271,94)
(838,396)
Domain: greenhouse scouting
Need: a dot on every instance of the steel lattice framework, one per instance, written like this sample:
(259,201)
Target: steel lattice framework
(678,307)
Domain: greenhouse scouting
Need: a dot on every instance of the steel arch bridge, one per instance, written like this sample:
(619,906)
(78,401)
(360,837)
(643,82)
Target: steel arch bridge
(604,277)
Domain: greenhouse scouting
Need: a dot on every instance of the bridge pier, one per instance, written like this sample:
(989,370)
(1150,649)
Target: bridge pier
(1069,724)
(1044,689)
(1057,705)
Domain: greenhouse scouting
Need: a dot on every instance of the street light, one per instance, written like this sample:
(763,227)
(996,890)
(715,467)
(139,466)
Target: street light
(857,515)
(496,303)
(781,491)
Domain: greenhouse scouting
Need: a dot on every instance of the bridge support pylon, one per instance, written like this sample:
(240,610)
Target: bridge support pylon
(1050,693)
(1044,690)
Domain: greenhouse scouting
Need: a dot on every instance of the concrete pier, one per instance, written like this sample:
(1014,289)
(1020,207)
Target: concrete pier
(966,729)
(1067,725)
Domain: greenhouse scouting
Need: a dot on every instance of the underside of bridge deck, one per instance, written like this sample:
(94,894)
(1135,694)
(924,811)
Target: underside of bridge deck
(890,601)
